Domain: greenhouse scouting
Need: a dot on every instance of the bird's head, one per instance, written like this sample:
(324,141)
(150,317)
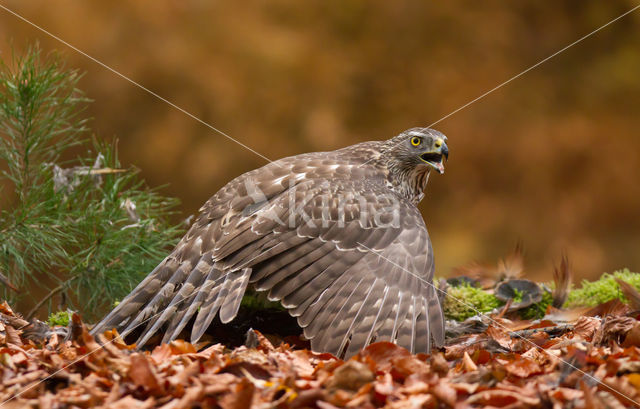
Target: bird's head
(419,147)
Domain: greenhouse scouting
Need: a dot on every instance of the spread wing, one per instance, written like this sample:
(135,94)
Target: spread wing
(348,257)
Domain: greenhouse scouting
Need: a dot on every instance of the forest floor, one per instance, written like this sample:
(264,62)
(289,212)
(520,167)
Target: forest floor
(570,358)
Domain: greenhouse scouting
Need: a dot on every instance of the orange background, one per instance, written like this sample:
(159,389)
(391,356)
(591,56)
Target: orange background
(551,159)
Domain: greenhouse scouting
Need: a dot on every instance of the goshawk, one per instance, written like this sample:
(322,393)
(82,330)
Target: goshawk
(336,237)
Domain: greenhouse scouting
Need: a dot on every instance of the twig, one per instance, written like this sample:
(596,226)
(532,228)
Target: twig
(45,299)
(4,280)
(554,331)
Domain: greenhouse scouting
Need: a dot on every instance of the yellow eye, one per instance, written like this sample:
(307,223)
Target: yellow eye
(415,141)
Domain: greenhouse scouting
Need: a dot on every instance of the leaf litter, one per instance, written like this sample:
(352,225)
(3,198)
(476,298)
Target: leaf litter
(580,358)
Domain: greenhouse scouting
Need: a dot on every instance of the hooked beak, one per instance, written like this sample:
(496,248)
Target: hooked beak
(436,157)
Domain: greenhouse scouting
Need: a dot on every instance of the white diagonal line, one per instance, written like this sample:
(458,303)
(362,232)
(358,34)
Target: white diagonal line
(502,84)
(264,157)
(534,66)
(137,84)
(500,325)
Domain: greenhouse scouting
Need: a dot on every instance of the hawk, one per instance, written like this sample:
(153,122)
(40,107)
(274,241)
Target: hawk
(335,237)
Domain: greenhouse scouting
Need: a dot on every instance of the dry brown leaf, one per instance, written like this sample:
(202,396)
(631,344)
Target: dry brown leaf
(565,395)
(143,374)
(613,307)
(522,367)
(630,293)
(189,400)
(591,401)
(439,364)
(414,385)
(301,363)
(500,397)
(500,336)
(613,329)
(632,337)
(382,354)
(179,347)
(620,389)
(240,397)
(413,402)
(161,353)
(175,376)
(12,336)
(409,365)
(586,327)
(468,364)
(568,315)
(112,336)
(445,393)
(351,376)
(129,402)
(308,398)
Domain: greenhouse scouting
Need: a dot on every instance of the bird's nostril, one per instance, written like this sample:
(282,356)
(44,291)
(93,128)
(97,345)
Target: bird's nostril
(438,144)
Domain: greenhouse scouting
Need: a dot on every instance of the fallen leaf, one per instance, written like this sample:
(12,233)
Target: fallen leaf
(446,393)
(161,353)
(591,401)
(468,364)
(585,327)
(522,367)
(630,293)
(501,397)
(408,365)
(240,397)
(632,337)
(613,329)
(439,364)
(383,354)
(500,336)
(12,336)
(351,376)
(129,402)
(143,375)
(179,346)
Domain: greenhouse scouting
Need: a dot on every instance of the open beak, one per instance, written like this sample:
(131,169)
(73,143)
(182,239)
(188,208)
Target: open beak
(437,157)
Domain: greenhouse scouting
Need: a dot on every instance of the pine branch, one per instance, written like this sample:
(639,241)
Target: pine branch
(70,226)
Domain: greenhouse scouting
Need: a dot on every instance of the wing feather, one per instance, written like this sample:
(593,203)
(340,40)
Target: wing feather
(347,263)
(231,303)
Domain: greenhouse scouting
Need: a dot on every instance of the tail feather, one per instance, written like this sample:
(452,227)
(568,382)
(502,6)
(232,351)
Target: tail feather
(436,318)
(384,326)
(366,318)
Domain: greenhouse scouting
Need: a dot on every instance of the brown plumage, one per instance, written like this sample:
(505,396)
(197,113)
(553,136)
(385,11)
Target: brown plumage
(334,236)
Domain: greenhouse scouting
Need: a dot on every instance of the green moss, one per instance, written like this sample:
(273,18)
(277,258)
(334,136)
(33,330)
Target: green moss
(460,300)
(486,302)
(605,289)
(591,293)
(60,318)
(537,311)
(254,300)
(517,295)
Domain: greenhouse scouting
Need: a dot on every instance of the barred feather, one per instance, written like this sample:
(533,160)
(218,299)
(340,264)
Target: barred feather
(335,236)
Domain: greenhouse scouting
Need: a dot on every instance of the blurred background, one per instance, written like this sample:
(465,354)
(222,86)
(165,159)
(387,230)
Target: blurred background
(551,159)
